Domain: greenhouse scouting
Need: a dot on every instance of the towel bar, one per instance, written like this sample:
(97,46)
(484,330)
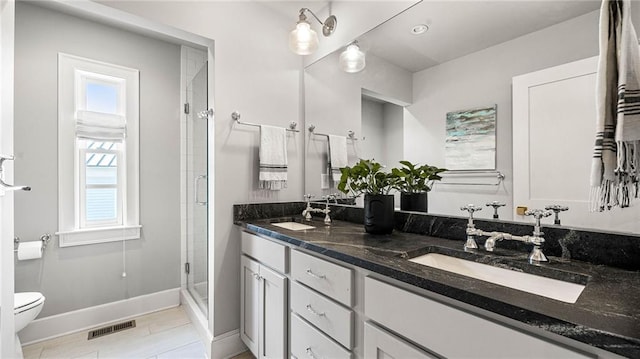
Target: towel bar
(350,134)
(235,115)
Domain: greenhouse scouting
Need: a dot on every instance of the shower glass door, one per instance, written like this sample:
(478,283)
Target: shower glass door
(197,197)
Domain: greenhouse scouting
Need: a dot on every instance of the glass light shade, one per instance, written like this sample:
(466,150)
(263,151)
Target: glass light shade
(352,59)
(303,40)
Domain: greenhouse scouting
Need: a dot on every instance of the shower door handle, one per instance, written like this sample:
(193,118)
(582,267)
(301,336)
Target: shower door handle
(196,181)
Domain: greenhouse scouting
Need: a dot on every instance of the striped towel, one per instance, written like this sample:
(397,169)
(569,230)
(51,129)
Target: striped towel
(337,157)
(273,158)
(615,171)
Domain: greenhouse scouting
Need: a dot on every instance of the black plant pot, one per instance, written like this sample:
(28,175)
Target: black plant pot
(416,202)
(378,213)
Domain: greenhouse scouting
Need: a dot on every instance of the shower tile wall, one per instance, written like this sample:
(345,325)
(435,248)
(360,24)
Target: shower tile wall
(194,151)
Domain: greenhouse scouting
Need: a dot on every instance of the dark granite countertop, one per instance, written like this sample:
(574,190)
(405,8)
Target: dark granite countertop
(606,315)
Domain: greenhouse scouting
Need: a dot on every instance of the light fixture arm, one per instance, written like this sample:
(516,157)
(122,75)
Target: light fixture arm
(328,26)
(303,17)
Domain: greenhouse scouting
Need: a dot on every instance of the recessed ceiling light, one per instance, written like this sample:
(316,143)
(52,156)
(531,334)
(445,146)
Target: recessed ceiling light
(419,29)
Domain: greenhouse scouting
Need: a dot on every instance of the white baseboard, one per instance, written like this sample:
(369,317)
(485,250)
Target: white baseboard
(197,318)
(87,318)
(227,345)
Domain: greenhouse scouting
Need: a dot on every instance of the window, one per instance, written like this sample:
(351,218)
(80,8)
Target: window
(98,152)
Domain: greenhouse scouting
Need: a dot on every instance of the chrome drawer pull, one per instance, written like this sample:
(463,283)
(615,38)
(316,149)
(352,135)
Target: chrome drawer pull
(310,353)
(318,276)
(313,311)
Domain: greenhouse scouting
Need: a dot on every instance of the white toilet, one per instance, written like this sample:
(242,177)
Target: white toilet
(27,306)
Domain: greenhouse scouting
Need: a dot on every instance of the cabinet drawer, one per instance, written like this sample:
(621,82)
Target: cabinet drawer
(327,278)
(265,251)
(438,327)
(308,342)
(380,344)
(328,316)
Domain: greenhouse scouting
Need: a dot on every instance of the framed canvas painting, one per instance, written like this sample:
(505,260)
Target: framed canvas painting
(470,142)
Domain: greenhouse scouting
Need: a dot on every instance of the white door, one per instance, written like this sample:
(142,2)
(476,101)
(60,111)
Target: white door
(7,332)
(553,136)
(250,303)
(273,338)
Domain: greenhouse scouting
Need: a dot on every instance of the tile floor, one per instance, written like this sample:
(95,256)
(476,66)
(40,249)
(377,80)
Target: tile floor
(160,335)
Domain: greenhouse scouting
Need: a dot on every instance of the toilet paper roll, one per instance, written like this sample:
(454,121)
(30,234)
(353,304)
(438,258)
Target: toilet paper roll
(30,250)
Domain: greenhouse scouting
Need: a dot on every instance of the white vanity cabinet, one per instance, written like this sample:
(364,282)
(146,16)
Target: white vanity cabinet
(321,300)
(380,344)
(450,332)
(263,297)
(304,305)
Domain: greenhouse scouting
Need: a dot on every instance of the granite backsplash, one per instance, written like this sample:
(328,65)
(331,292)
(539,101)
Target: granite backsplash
(611,249)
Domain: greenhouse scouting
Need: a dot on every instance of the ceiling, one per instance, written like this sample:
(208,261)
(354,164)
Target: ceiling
(458,28)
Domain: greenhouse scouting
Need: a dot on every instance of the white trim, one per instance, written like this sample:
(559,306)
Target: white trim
(98,235)
(227,345)
(87,318)
(69,212)
(197,319)
(131,22)
(7,325)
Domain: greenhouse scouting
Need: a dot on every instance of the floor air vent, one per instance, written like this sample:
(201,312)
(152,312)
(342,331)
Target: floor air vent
(111,329)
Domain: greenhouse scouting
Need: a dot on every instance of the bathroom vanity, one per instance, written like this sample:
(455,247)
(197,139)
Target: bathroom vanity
(341,293)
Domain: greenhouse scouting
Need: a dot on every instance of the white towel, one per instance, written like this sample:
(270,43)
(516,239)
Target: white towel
(337,156)
(273,158)
(615,171)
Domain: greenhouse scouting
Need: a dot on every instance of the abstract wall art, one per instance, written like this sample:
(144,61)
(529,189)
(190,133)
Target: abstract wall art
(471,139)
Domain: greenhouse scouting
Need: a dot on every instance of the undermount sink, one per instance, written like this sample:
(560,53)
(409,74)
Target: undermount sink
(293,226)
(547,287)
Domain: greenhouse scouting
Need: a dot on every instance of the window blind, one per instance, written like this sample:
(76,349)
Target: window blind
(100,126)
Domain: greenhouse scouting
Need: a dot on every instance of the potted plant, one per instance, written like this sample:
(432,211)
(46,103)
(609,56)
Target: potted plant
(414,182)
(367,177)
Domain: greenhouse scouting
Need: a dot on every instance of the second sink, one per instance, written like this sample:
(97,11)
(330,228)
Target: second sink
(547,287)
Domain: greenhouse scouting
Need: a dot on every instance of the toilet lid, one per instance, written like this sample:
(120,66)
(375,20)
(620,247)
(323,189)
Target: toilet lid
(26,299)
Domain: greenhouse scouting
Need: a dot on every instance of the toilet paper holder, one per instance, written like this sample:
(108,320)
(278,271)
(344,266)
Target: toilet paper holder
(45,238)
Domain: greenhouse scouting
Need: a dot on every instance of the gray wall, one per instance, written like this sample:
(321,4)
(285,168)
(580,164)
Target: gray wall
(333,104)
(78,277)
(256,74)
(483,79)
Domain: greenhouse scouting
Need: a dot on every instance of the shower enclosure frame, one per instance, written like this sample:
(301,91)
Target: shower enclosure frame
(196,115)
(201,320)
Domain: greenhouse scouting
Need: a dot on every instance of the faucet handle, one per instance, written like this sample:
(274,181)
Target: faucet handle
(495,205)
(538,213)
(557,209)
(471,208)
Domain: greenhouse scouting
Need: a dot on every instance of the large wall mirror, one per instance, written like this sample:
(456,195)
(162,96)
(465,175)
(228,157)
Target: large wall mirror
(467,59)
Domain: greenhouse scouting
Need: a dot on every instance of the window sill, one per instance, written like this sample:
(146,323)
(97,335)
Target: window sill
(81,237)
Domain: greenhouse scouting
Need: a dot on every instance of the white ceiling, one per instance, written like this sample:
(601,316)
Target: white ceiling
(458,28)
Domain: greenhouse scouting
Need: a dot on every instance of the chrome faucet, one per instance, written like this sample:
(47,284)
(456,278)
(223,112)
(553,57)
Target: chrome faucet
(471,228)
(306,213)
(536,239)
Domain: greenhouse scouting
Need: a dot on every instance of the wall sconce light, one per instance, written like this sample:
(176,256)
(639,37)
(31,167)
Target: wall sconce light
(352,59)
(303,40)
